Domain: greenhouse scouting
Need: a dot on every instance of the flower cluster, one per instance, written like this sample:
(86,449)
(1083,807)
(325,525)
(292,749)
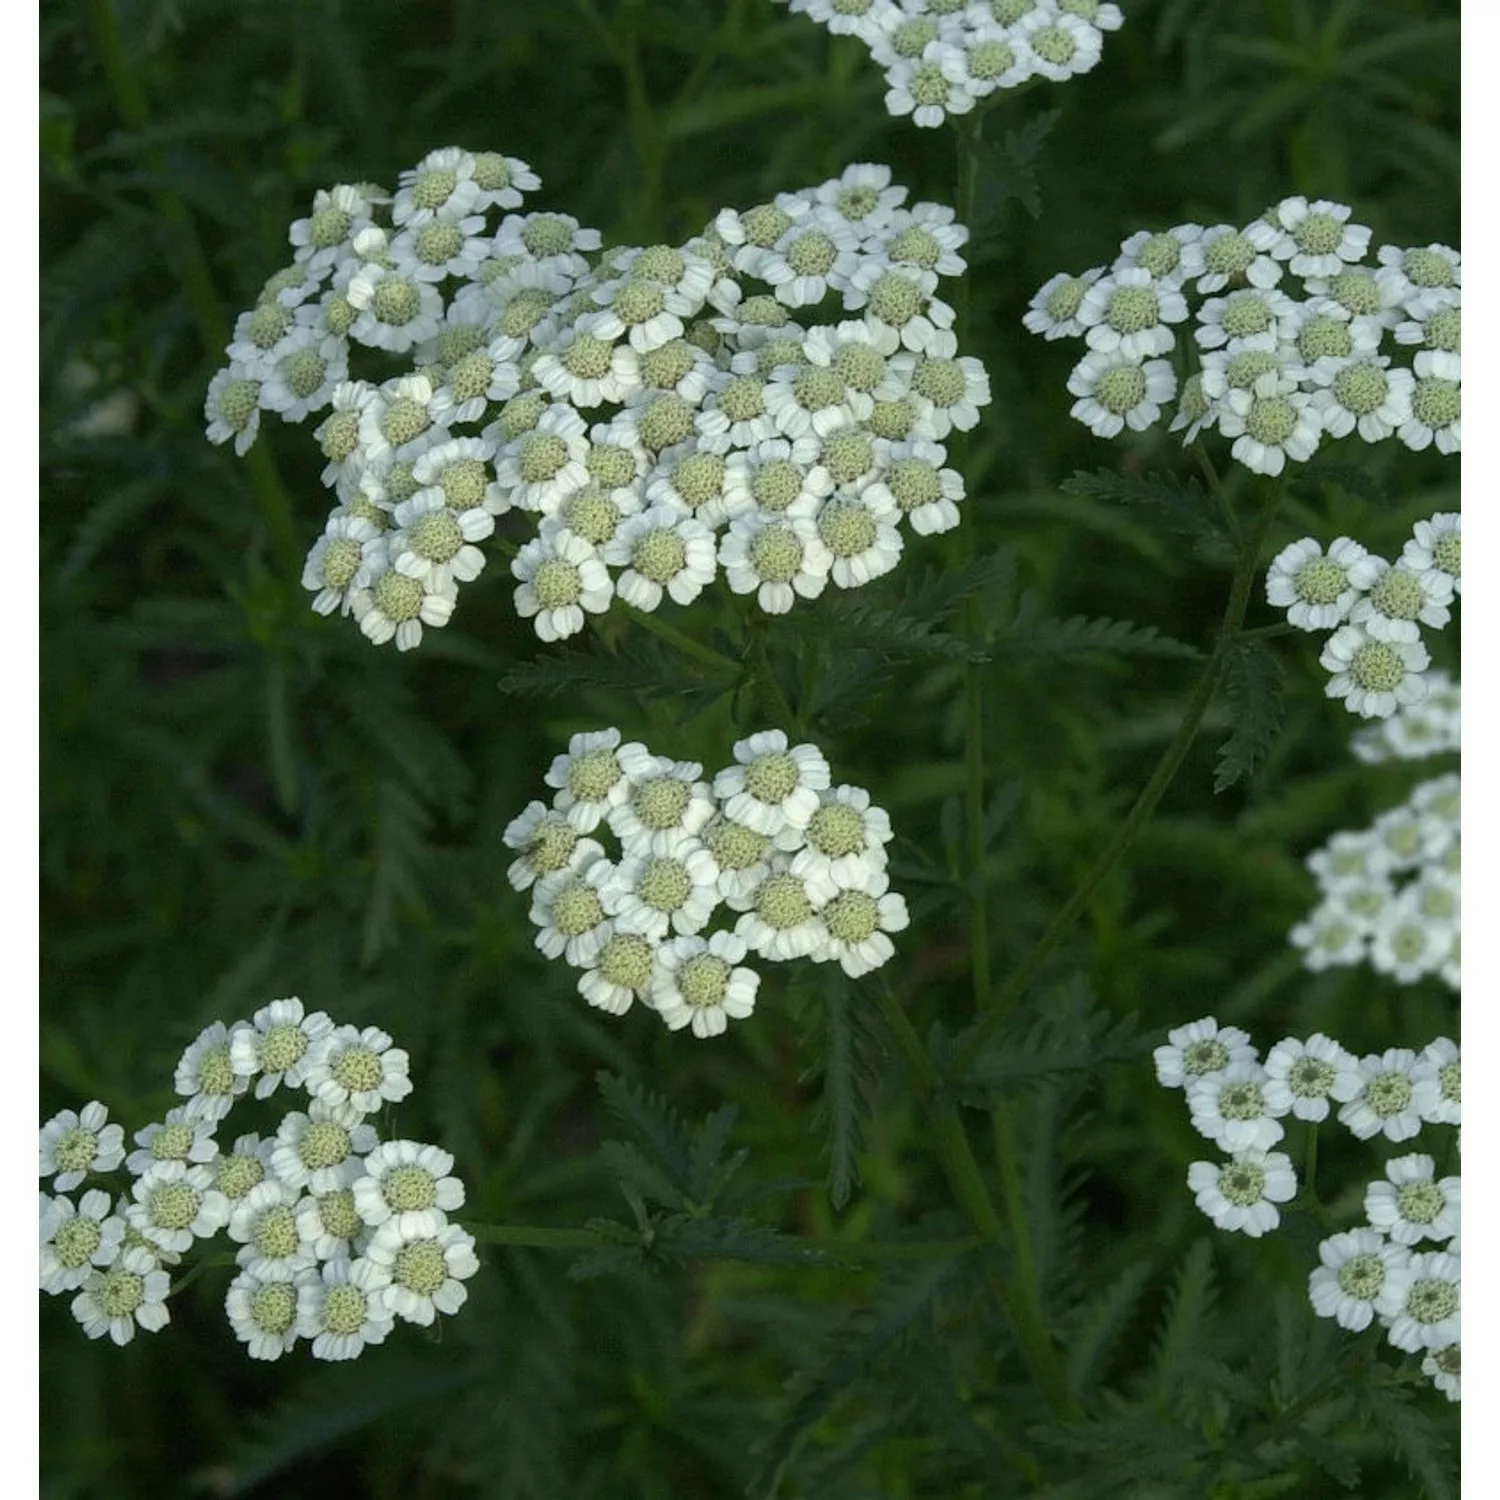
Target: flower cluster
(1416,730)
(768,400)
(1297,336)
(1373,609)
(801,861)
(941,57)
(1402,1265)
(339,1233)
(1390,892)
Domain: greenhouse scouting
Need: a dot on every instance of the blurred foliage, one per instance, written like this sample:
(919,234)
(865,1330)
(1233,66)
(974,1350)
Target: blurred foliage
(243,800)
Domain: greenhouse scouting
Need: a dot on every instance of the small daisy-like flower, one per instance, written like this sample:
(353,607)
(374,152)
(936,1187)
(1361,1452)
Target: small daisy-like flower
(548,842)
(561,577)
(263,1312)
(1373,676)
(1252,318)
(1407,943)
(1365,394)
(180,1137)
(856,922)
(1412,1204)
(668,799)
(76,1240)
(1170,256)
(590,777)
(1436,403)
(396,607)
(1329,938)
(1435,322)
(302,374)
(742,855)
(1420,269)
(441,184)
(1127,312)
(1436,1083)
(1445,1367)
(1362,1273)
(675,890)
(1060,44)
(130,1294)
(619,972)
(441,248)
(266,1223)
(1316,238)
(1398,600)
(1436,548)
(395,311)
(324,237)
(776,558)
(845,837)
(330,1224)
(948,389)
(1201,1049)
(662,550)
(426,1272)
(1232,1110)
(74,1144)
(859,531)
(274,1049)
(434,543)
(1380,1097)
(318,1151)
(232,407)
(815,256)
(782,922)
(176,1204)
(929,87)
(1317,590)
(699,983)
(1241,1194)
(774,784)
(243,1167)
(410,1183)
(1230,256)
(586,369)
(343,562)
(358,1067)
(1053,311)
(1428,1315)
(572,911)
(207,1075)
(926,493)
(344,1309)
(541,467)
(1301,1076)
(1116,391)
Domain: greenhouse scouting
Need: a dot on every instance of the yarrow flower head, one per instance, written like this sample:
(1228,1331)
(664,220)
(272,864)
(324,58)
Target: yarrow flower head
(338,1235)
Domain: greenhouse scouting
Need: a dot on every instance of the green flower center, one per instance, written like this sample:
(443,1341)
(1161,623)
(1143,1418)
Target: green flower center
(892,420)
(661,801)
(1420,1202)
(772,778)
(1121,389)
(1320,581)
(659,556)
(1210,1056)
(733,846)
(275,1235)
(1361,388)
(491,172)
(1241,1101)
(587,357)
(469,377)
(1246,367)
(1334,936)
(1357,292)
(847,528)
(1054,45)
(1449,1082)
(916,246)
(1246,316)
(816,388)
(1310,1078)
(120,1292)
(776,554)
(894,299)
(273,1307)
(398,597)
(1398,595)
(860,366)
(812,254)
(1066,298)
(174,1205)
(702,980)
(1131,309)
(848,454)
(910,37)
(268,323)
(577,910)
(238,1174)
(304,372)
(852,917)
(338,1215)
(777,352)
(1160,255)
(76,1149)
(1431,1300)
(592,515)
(1447,554)
(74,1244)
(1447,1360)
(542,456)
(1378,668)
(438,242)
(1388,1094)
(764,225)
(665,884)
(282,1047)
(761,311)
(1426,268)
(464,483)
(1445,330)
(613,468)
(458,343)
(329,227)
(433,188)
(339,315)
(836,830)
(638,301)
(1243,1184)
(856,203)
(1323,338)
(593,775)
(776,484)
(420,1267)
(403,420)
(339,435)
(1272,420)
(358,1069)
(1435,403)
(664,368)
(551,846)
(743,399)
(173,1142)
(1319,234)
(238,401)
(216,1073)
(1230,255)
(1362,1276)
(941,381)
(914,482)
(699,478)
(666,422)
(344,1309)
(524,311)
(435,536)
(991,60)
(626,961)
(782,902)
(396,301)
(409,1189)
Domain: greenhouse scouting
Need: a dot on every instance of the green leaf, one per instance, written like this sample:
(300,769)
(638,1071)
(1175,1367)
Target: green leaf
(655,1126)
(837,1032)
(1179,506)
(1007,172)
(1180,1344)
(1252,683)
(1027,636)
(683,1238)
(1410,1434)
(1099,1323)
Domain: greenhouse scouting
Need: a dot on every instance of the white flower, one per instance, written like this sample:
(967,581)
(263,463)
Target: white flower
(1329,937)
(548,843)
(1373,676)
(1412,1205)
(130,1294)
(1428,1315)
(782,921)
(1061,44)
(1301,1076)
(773,784)
(396,607)
(263,1313)
(1399,599)
(1171,256)
(74,1144)
(337,215)
(75,1240)
(232,406)
(1316,238)
(1445,1367)
(572,909)
(275,1047)
(663,549)
(266,1223)
(1116,391)
(1362,1274)
(667,799)
(244,1166)
(344,1308)
(176,1204)
(409,1183)
(856,921)
(926,493)
(1242,1193)
(1251,318)
(619,972)
(775,477)
(817,255)
(931,87)
(1365,394)
(948,389)
(433,544)
(1408,944)
(358,1067)
(1318,591)
(776,558)
(1436,1086)
(302,373)
(1419,271)
(590,777)
(1127,313)
(1229,255)
(441,184)
(676,889)
(698,983)
(1380,1097)
(560,576)
(1436,403)
(343,562)
(1231,1108)
(1201,1049)
(742,855)
(845,837)
(395,311)
(539,469)
(442,247)
(1435,548)
(426,1272)
(859,531)
(180,1137)
(1054,308)
(206,1074)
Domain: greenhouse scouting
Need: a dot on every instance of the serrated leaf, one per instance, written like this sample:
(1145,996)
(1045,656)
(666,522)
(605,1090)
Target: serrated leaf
(1079,635)
(1358,482)
(645,667)
(1099,1323)
(656,1127)
(1179,506)
(837,1033)
(1007,172)
(1252,683)
(1409,1433)
(1180,1343)
(628,1167)
(682,1238)
(706,1173)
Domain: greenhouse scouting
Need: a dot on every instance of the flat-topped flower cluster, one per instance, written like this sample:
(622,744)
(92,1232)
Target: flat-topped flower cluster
(1373,610)
(768,400)
(941,57)
(1390,892)
(339,1233)
(801,861)
(1402,1266)
(1297,335)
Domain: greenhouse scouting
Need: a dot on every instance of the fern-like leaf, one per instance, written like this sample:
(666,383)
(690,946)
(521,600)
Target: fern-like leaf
(1252,681)
(1179,1346)
(1179,506)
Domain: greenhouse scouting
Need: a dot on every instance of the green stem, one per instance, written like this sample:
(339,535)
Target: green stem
(134,111)
(1145,804)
